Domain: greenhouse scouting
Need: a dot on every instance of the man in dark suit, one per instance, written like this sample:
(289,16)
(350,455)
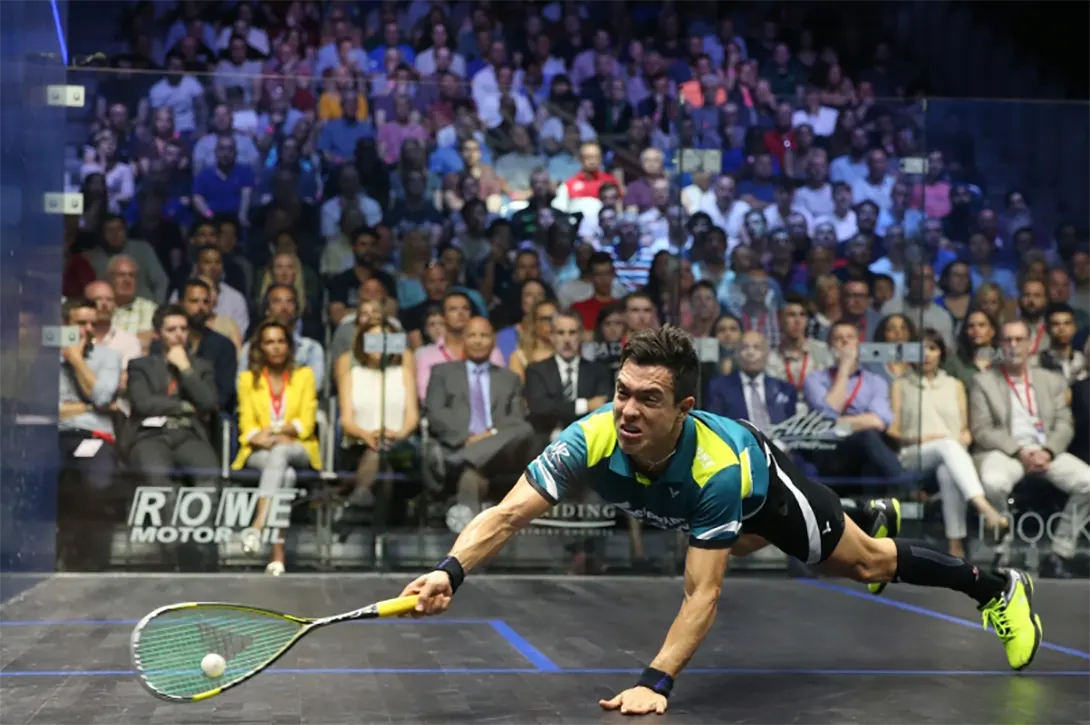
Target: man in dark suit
(565,387)
(748,393)
(173,398)
(209,345)
(477,417)
(559,391)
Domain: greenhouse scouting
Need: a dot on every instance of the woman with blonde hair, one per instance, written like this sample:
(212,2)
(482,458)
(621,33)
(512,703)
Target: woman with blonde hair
(931,424)
(535,343)
(379,410)
(285,268)
(990,300)
(277,424)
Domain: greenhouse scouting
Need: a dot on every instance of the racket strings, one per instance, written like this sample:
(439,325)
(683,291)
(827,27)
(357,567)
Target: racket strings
(171,646)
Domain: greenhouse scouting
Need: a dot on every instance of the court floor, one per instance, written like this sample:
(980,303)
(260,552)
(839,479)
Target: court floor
(545,650)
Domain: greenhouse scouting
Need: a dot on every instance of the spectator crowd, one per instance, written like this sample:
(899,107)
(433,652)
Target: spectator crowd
(276,194)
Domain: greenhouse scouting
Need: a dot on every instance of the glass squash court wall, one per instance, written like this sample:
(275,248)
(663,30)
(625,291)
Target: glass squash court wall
(415,527)
(32,58)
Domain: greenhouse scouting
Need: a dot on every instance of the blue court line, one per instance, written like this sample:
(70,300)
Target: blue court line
(132,622)
(60,32)
(524,648)
(592,671)
(933,614)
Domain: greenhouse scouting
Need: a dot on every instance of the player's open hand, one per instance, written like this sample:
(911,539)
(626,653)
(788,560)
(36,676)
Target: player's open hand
(636,701)
(433,593)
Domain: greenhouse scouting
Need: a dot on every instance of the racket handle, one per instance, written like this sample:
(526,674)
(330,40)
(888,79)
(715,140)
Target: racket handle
(396,607)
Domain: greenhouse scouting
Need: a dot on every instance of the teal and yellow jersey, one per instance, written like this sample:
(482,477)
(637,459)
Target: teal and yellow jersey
(717,478)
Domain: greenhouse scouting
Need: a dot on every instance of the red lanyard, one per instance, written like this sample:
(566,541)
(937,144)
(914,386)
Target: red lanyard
(277,400)
(1036,342)
(172,387)
(1028,405)
(862,327)
(802,371)
(760,322)
(855,390)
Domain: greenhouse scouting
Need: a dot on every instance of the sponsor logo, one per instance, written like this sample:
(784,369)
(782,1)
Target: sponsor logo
(703,459)
(557,454)
(206,515)
(807,432)
(661,522)
(1031,528)
(564,519)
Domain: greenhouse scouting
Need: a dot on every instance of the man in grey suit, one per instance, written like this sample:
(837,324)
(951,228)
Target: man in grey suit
(173,396)
(477,415)
(1021,423)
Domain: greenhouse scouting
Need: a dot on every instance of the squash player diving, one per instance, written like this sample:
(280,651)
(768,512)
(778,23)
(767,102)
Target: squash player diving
(653,455)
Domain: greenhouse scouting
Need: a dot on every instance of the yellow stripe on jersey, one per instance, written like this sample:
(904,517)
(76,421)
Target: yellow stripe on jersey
(600,436)
(747,474)
(713,455)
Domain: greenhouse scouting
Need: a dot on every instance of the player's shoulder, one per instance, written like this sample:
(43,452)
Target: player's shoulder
(594,435)
(722,449)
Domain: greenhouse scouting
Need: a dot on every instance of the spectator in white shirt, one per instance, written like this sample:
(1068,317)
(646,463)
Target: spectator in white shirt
(821,119)
(181,93)
(725,211)
(485,83)
(489,104)
(843,218)
(256,38)
(852,166)
(877,185)
(102,159)
(440,38)
(235,71)
(784,205)
(108,335)
(230,303)
(816,195)
(351,195)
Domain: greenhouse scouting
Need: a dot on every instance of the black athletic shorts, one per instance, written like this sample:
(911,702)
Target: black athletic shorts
(800,517)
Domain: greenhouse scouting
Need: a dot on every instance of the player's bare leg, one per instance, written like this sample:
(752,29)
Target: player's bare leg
(860,557)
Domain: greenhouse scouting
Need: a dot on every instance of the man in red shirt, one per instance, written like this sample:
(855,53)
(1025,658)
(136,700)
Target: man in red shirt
(587,183)
(600,265)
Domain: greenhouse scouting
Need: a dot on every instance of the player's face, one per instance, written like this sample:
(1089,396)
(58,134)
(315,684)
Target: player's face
(644,409)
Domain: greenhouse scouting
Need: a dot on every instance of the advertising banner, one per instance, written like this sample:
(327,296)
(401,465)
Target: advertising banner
(204,515)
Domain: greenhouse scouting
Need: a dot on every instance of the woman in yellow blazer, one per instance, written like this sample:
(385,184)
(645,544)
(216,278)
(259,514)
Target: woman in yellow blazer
(277,424)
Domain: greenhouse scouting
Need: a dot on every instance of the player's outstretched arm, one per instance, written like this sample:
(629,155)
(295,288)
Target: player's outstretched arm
(489,530)
(479,541)
(704,571)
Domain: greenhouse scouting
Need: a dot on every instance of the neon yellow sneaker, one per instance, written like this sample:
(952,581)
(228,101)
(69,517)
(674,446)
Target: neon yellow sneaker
(1012,618)
(884,515)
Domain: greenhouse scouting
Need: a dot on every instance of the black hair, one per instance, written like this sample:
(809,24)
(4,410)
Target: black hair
(76,303)
(458,293)
(1058,308)
(599,258)
(933,336)
(196,282)
(669,347)
(163,312)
